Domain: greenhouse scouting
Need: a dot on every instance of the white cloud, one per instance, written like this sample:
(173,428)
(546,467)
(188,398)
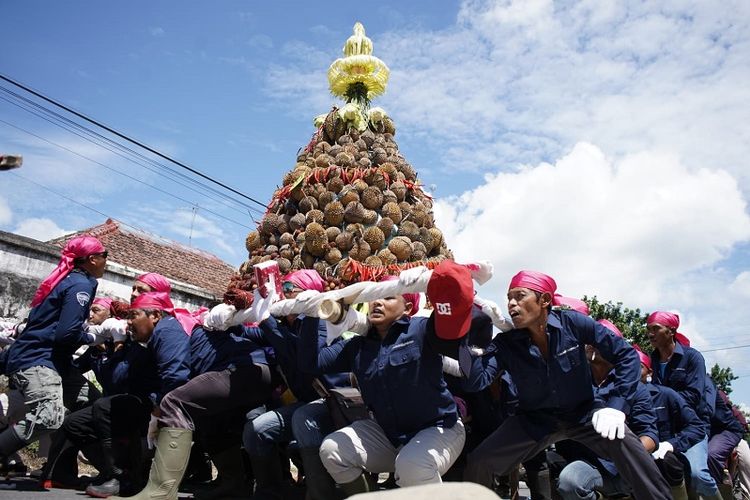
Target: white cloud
(156,31)
(621,230)
(741,285)
(6,215)
(41,229)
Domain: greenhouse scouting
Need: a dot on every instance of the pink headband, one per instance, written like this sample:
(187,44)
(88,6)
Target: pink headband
(610,326)
(412,298)
(574,304)
(153,300)
(645,360)
(534,281)
(77,248)
(157,282)
(670,320)
(105,302)
(306,279)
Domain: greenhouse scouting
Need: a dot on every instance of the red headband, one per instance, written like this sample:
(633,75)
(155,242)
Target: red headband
(412,298)
(105,302)
(670,320)
(306,279)
(534,281)
(77,248)
(610,326)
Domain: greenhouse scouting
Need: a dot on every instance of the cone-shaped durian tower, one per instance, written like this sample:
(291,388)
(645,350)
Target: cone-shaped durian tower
(352,207)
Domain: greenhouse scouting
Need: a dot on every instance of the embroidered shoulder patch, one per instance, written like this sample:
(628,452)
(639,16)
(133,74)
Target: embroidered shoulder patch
(83,298)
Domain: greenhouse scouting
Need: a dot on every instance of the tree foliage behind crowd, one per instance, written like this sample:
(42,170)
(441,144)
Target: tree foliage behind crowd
(723,377)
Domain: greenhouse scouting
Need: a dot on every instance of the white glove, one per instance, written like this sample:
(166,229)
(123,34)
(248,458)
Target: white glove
(354,321)
(609,423)
(410,276)
(153,432)
(115,328)
(261,308)
(493,311)
(664,448)
(481,271)
(97,334)
(451,367)
(219,317)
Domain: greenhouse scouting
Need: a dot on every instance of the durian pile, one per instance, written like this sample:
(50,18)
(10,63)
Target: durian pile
(352,207)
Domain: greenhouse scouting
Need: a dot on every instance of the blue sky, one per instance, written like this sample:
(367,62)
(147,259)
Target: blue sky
(605,143)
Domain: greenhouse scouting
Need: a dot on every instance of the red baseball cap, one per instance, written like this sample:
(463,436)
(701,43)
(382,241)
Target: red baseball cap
(451,293)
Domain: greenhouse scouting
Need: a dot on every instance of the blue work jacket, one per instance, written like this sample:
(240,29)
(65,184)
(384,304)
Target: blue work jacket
(685,372)
(287,344)
(400,376)
(212,351)
(558,391)
(723,419)
(169,349)
(677,421)
(55,328)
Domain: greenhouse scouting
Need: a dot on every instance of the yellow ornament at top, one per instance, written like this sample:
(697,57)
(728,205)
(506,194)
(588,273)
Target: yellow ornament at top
(358,66)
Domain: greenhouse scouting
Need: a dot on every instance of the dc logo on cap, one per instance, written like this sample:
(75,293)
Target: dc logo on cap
(443,308)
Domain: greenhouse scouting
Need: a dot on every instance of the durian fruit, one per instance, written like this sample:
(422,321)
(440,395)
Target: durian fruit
(272,250)
(307,260)
(286,239)
(360,185)
(315,239)
(344,159)
(390,170)
(386,226)
(269,224)
(389,197)
(400,246)
(364,162)
(409,229)
(297,222)
(253,241)
(372,198)
(392,211)
(373,260)
(399,189)
(271,239)
(419,252)
(332,232)
(344,241)
(354,212)
(286,252)
(426,239)
(348,195)
(333,256)
(418,214)
(335,184)
(314,215)
(283,224)
(323,161)
(335,150)
(369,217)
(320,148)
(322,267)
(378,156)
(297,262)
(387,257)
(437,237)
(325,198)
(285,265)
(405,209)
(360,250)
(333,215)
(307,203)
(374,237)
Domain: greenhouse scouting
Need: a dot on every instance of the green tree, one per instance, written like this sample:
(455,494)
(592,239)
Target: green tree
(723,377)
(631,322)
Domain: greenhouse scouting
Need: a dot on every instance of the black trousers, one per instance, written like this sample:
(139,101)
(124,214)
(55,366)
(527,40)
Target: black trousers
(510,445)
(213,396)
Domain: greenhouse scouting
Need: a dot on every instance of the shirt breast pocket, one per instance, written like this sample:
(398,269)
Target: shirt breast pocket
(678,378)
(404,356)
(569,358)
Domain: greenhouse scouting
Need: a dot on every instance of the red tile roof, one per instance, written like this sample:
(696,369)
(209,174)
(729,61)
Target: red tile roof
(150,253)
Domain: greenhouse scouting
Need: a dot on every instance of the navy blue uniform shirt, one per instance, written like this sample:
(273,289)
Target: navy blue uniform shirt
(723,419)
(212,351)
(558,391)
(400,376)
(55,328)
(677,421)
(685,372)
(169,347)
(286,341)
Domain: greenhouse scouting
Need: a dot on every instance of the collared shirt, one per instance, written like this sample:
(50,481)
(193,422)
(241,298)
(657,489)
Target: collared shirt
(677,421)
(286,341)
(558,391)
(169,346)
(55,327)
(685,372)
(723,419)
(217,350)
(400,376)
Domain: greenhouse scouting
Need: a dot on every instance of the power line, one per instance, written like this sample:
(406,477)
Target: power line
(124,175)
(129,139)
(94,137)
(725,348)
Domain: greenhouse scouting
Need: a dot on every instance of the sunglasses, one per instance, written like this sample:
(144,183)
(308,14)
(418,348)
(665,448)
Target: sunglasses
(288,287)
(104,254)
